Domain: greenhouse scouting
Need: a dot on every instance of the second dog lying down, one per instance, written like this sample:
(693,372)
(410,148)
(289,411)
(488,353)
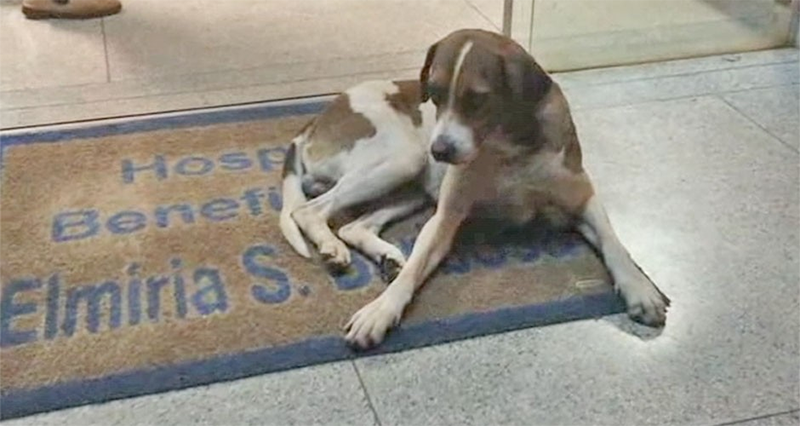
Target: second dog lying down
(485,132)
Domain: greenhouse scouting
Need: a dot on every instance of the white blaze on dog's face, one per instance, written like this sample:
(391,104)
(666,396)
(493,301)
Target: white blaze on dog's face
(452,141)
(480,83)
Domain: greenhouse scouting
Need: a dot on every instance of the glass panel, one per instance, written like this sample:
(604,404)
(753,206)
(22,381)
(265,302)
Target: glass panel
(574,34)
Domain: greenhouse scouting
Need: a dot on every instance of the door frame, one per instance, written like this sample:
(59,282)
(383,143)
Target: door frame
(518,21)
(794,29)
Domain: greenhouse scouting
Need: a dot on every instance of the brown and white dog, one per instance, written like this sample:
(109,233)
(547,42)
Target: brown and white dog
(485,132)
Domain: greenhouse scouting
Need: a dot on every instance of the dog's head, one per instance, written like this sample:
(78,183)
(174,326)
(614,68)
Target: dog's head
(481,83)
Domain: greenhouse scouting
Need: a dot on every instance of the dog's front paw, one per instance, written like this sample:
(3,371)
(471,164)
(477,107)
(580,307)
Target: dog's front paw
(335,254)
(645,302)
(369,325)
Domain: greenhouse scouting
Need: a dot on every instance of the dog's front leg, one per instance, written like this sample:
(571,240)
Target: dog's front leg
(645,302)
(369,325)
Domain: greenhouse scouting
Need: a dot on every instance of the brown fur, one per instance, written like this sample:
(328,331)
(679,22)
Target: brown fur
(558,129)
(337,129)
(407,100)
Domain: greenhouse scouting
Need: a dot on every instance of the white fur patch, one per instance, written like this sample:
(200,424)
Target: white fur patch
(369,99)
(394,132)
(428,110)
(449,124)
(462,54)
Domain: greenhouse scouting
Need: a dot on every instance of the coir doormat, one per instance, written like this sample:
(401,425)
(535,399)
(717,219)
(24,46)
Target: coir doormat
(145,256)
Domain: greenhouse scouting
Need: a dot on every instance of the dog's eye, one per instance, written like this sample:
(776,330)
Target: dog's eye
(474,101)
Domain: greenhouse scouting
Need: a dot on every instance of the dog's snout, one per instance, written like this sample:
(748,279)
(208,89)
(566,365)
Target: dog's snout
(443,149)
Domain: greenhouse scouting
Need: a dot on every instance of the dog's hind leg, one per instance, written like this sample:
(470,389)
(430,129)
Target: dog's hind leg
(364,234)
(359,186)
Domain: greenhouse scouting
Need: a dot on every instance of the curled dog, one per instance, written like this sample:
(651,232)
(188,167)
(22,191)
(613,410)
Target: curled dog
(486,132)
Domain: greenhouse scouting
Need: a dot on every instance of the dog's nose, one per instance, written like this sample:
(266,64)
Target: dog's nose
(443,149)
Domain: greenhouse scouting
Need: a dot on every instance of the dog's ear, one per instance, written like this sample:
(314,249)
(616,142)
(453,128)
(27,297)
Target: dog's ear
(523,78)
(424,75)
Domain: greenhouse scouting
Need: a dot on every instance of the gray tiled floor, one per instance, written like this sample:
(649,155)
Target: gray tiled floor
(697,161)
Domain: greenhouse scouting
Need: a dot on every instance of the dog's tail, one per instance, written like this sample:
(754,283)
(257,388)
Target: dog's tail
(293,195)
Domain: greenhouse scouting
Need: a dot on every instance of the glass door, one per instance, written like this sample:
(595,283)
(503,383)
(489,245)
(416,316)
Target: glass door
(575,34)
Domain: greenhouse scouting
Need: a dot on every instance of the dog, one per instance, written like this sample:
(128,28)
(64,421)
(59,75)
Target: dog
(485,132)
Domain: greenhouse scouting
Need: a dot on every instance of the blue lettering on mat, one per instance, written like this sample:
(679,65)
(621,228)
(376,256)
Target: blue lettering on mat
(359,274)
(253,198)
(275,200)
(81,224)
(51,316)
(75,225)
(271,158)
(9,309)
(154,286)
(194,166)
(279,289)
(180,287)
(134,295)
(93,296)
(212,297)
(162,214)
(220,209)
(235,161)
(158,167)
(126,222)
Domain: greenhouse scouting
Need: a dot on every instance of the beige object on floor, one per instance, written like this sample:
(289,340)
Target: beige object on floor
(69,9)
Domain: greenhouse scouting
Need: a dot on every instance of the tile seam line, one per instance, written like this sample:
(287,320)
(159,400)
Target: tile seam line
(366,394)
(755,123)
(189,92)
(556,74)
(685,74)
(249,103)
(483,15)
(766,416)
(153,114)
(578,107)
(105,49)
(223,71)
(674,98)
(301,98)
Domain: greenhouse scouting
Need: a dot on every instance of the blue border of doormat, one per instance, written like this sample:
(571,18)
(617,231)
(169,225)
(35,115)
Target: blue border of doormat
(311,351)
